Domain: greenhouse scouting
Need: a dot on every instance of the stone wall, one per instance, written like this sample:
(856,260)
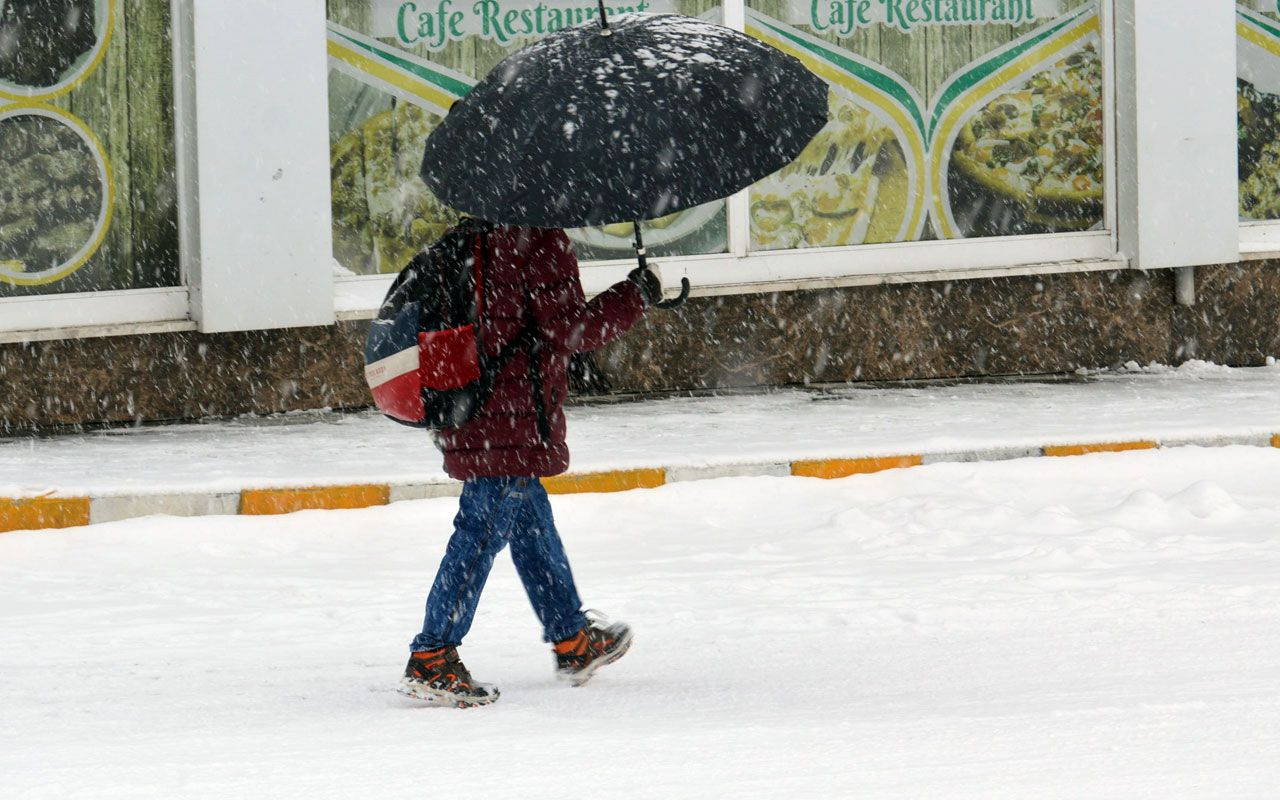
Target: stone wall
(990,327)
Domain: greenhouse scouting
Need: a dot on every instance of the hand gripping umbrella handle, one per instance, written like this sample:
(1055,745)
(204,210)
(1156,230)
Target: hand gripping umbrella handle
(641,256)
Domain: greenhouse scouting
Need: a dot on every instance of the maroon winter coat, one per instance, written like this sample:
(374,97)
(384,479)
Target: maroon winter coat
(532,274)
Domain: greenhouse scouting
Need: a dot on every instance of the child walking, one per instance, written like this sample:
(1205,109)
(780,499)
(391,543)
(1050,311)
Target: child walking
(529,281)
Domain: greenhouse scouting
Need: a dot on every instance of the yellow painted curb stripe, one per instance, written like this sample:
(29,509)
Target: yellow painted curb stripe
(43,512)
(614,481)
(1275,440)
(843,467)
(1098,447)
(284,501)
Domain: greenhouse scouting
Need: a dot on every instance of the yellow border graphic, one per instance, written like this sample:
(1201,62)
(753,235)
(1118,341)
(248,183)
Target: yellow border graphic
(948,128)
(436,100)
(1261,40)
(76,78)
(108,202)
(1251,34)
(387,77)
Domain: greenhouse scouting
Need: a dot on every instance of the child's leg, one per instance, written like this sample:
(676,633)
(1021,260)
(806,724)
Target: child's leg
(486,515)
(543,567)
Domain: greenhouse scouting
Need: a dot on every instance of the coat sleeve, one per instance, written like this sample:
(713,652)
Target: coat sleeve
(566,321)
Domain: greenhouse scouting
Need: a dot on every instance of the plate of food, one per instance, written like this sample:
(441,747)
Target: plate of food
(1031,159)
(848,186)
(55,182)
(48,46)
(657,232)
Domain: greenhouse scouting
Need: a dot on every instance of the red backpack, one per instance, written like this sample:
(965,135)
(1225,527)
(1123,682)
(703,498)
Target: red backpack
(424,356)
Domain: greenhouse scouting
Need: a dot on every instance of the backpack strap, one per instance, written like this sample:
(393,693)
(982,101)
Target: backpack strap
(477,274)
(534,346)
(535,378)
(526,340)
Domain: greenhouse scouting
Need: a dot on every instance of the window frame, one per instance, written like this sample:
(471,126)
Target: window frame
(735,271)
(1259,239)
(84,314)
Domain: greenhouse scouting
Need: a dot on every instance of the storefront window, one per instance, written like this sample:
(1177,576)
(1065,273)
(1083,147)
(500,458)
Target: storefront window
(1258,109)
(87,186)
(948,119)
(395,68)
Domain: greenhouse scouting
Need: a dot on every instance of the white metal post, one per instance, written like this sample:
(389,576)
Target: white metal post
(252,132)
(1176,132)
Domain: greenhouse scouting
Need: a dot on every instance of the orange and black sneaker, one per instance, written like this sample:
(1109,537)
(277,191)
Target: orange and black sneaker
(596,645)
(440,677)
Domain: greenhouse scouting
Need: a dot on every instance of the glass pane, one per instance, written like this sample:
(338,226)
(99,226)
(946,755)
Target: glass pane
(395,68)
(948,119)
(1258,109)
(87,186)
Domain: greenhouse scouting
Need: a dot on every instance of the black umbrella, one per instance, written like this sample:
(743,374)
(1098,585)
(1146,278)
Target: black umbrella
(625,119)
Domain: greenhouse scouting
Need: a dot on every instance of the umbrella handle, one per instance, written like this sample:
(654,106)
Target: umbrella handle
(678,300)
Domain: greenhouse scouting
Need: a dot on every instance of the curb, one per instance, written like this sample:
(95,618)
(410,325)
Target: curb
(51,511)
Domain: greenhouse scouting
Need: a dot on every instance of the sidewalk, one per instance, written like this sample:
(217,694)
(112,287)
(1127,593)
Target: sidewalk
(293,462)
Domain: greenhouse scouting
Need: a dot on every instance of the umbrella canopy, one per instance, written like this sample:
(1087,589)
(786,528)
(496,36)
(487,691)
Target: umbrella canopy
(641,117)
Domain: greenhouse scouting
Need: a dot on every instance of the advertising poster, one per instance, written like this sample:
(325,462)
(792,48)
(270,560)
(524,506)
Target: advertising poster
(948,119)
(87,197)
(54,178)
(1258,110)
(1009,143)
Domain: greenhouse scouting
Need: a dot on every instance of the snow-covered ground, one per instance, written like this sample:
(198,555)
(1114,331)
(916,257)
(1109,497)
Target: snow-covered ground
(1105,626)
(1196,400)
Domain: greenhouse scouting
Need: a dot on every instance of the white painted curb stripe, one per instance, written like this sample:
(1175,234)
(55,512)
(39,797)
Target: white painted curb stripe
(678,474)
(113,506)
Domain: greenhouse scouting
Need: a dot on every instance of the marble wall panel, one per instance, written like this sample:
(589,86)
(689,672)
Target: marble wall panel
(1002,326)
(1236,317)
(999,326)
(170,376)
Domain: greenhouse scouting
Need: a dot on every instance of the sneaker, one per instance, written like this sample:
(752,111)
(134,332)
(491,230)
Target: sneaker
(440,678)
(578,657)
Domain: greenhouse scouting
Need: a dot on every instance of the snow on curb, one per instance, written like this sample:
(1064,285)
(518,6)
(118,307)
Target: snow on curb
(52,510)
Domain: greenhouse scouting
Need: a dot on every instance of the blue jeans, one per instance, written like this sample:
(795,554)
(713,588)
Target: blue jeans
(492,513)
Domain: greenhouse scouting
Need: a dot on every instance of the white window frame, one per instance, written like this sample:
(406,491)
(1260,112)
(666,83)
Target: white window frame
(296,285)
(86,314)
(1259,240)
